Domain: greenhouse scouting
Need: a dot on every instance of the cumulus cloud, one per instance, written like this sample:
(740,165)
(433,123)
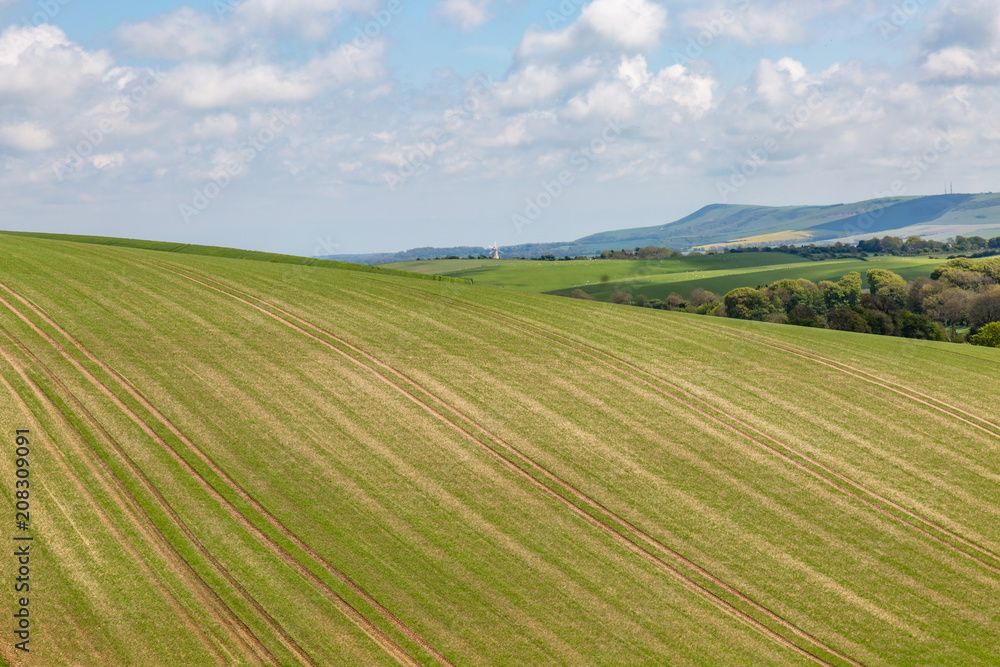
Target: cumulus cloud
(182,34)
(564,87)
(674,85)
(26,136)
(963,42)
(539,84)
(617,25)
(40,62)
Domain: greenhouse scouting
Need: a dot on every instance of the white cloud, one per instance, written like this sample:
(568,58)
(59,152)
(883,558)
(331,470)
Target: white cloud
(956,62)
(211,127)
(674,85)
(26,136)
(108,161)
(535,85)
(465,14)
(963,42)
(183,34)
(42,64)
(618,25)
(763,21)
(211,86)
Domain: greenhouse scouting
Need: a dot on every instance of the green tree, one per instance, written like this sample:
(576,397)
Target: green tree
(988,336)
(790,293)
(621,297)
(891,244)
(851,286)
(676,301)
(985,307)
(748,303)
(888,284)
(702,296)
(845,319)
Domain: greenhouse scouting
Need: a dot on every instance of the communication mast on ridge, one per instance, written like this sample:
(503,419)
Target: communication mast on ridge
(494,251)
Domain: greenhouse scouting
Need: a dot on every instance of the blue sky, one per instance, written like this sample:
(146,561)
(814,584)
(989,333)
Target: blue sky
(281,125)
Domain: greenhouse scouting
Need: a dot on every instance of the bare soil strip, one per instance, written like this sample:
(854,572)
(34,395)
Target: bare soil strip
(865,495)
(238,630)
(727,606)
(161,501)
(353,614)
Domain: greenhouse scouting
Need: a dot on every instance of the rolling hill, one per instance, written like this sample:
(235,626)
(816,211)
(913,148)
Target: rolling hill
(252,462)
(720,225)
(656,278)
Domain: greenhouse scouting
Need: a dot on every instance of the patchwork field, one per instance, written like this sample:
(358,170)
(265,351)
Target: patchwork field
(247,462)
(656,278)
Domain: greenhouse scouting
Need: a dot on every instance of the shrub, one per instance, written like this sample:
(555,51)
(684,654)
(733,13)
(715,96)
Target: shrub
(988,336)
(845,319)
(621,297)
(747,303)
(580,294)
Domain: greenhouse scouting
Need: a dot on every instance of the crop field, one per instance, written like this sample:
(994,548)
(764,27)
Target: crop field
(656,278)
(540,276)
(245,462)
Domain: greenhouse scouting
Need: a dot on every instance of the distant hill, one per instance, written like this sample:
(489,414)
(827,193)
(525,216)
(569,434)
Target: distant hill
(719,225)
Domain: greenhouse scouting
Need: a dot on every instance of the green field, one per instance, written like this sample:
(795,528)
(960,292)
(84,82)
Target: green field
(245,462)
(656,278)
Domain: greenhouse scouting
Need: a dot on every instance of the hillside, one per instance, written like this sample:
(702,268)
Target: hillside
(656,278)
(719,225)
(247,462)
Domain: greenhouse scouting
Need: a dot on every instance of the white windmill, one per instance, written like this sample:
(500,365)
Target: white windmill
(494,251)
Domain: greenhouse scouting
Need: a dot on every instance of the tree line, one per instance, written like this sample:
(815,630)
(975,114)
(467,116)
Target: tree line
(962,293)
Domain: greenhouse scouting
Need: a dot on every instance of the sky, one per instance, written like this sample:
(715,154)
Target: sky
(318,127)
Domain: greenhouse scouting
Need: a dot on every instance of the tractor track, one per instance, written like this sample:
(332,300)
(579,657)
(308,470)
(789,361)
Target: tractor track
(372,631)
(388,373)
(140,517)
(60,458)
(634,371)
(906,391)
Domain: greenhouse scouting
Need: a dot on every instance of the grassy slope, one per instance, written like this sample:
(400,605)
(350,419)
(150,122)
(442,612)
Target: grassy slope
(658,278)
(724,280)
(537,276)
(229,253)
(477,559)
